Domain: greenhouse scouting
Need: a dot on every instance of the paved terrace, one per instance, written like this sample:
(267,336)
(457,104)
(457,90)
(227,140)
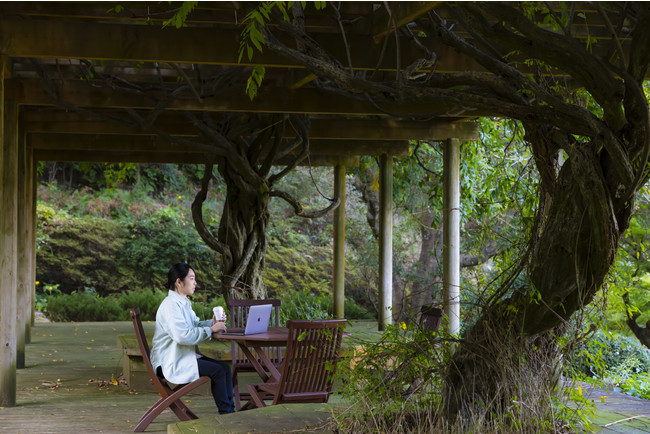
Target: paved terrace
(69,386)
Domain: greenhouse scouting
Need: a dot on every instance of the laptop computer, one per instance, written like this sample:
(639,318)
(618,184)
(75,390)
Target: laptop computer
(257,320)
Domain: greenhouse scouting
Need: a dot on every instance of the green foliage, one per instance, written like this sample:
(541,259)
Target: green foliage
(147,300)
(78,253)
(251,37)
(88,306)
(635,384)
(254,82)
(163,239)
(179,18)
(391,383)
(42,293)
(604,354)
(574,409)
(84,306)
(306,305)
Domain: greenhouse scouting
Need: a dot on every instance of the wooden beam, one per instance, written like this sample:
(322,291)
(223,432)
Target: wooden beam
(269,100)
(177,124)
(171,158)
(42,38)
(69,143)
(108,142)
(120,157)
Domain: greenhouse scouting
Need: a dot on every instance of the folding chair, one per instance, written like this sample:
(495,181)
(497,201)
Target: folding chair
(170,398)
(237,316)
(310,361)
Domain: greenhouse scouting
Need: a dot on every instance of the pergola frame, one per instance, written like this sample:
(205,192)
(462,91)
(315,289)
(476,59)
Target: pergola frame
(61,35)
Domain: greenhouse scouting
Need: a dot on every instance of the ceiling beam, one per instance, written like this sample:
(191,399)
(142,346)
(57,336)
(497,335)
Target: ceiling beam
(151,43)
(116,143)
(178,125)
(269,100)
(170,158)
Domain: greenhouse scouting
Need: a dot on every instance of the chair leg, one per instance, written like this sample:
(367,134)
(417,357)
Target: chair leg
(173,403)
(256,397)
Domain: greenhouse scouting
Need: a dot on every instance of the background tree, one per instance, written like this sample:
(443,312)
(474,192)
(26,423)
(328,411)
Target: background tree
(250,151)
(497,194)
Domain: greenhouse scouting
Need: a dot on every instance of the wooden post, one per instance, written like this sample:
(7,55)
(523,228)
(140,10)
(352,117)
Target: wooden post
(339,243)
(23,212)
(8,246)
(34,220)
(30,210)
(451,233)
(385,241)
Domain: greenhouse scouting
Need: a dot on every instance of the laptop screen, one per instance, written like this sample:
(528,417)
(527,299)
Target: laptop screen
(258,319)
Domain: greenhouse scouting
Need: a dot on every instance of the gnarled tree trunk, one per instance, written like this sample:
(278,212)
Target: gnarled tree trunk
(584,204)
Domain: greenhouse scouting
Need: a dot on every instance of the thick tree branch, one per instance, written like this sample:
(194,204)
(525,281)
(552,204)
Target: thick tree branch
(301,125)
(299,210)
(197,214)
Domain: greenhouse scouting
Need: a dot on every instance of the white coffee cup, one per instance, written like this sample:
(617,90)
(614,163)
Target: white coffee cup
(219,313)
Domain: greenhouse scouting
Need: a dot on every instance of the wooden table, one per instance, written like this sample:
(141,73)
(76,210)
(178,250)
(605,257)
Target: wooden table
(274,337)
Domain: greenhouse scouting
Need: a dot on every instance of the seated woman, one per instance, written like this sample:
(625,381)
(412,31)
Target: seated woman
(178,331)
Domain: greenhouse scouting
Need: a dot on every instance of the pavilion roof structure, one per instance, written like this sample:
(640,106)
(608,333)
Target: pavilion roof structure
(50,45)
(59,40)
(75,75)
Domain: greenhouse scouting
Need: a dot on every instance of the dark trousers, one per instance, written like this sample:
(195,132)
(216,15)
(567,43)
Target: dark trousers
(221,376)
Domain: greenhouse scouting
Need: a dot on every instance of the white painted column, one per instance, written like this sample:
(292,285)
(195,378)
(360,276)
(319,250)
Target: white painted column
(385,241)
(339,243)
(451,233)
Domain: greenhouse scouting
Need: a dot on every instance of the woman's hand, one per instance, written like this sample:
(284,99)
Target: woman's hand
(219,326)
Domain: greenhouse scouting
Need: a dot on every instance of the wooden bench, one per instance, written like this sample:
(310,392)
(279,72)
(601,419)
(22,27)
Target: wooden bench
(134,371)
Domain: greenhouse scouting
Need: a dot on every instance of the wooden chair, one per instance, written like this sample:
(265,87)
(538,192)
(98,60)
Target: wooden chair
(170,397)
(309,364)
(238,312)
(430,318)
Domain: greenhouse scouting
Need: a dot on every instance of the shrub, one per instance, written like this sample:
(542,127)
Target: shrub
(161,240)
(147,300)
(84,306)
(79,253)
(605,352)
(304,305)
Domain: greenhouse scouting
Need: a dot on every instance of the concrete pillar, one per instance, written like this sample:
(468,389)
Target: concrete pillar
(8,247)
(385,241)
(451,233)
(339,243)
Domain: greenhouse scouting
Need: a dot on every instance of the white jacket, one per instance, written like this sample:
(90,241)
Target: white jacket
(178,330)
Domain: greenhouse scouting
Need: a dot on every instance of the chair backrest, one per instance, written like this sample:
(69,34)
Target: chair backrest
(238,312)
(430,318)
(144,347)
(310,360)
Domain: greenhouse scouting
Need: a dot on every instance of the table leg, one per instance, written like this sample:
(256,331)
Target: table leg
(256,364)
